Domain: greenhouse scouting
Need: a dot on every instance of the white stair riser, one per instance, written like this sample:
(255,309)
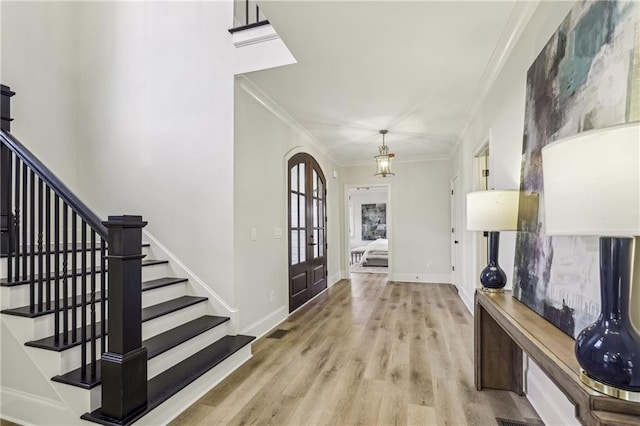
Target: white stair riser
(45,325)
(79,400)
(53,363)
(19,295)
(163,294)
(172,320)
(170,358)
(61,258)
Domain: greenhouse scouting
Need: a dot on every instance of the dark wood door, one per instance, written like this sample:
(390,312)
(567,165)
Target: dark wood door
(307,230)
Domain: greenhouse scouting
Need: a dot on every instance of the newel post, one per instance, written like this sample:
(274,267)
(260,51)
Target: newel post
(6,217)
(124,365)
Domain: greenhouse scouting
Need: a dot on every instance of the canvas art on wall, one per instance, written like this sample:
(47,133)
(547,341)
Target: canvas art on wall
(374,221)
(586,77)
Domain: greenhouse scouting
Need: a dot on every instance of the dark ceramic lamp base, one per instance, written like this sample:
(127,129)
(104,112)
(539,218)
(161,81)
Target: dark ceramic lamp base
(493,278)
(608,350)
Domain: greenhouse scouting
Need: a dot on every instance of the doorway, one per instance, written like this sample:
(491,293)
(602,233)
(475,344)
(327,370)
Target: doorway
(307,230)
(368,229)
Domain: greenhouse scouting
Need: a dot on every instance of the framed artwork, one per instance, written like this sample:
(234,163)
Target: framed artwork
(586,77)
(374,221)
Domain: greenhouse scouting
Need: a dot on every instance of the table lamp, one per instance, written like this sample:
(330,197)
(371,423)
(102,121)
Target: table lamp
(592,187)
(493,211)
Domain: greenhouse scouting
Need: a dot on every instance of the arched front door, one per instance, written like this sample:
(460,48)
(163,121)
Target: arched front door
(307,230)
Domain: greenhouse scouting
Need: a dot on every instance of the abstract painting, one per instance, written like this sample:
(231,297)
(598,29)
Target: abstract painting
(374,221)
(587,77)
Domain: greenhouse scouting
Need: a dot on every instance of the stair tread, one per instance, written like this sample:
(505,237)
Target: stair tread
(26,311)
(4,282)
(169,306)
(148,314)
(161,282)
(171,381)
(155,345)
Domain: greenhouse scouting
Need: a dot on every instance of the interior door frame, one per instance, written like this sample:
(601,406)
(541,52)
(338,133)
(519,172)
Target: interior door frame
(346,239)
(309,161)
(456,228)
(479,242)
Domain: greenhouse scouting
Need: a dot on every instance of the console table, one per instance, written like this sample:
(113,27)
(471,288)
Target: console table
(504,328)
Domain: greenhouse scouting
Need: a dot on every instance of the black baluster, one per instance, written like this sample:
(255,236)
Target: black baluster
(40,248)
(93,303)
(56,263)
(7,192)
(74,276)
(83,289)
(47,219)
(257,13)
(65,274)
(246,6)
(103,291)
(25,246)
(32,240)
(16,219)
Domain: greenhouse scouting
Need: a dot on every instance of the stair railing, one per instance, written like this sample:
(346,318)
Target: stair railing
(246,15)
(54,243)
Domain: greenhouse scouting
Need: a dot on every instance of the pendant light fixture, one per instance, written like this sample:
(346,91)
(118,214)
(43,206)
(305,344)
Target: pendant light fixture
(383,160)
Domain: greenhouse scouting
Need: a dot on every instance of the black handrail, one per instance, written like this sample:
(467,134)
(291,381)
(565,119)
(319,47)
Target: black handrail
(43,172)
(249,22)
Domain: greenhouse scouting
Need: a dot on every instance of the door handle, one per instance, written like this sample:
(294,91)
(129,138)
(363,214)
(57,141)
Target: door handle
(313,244)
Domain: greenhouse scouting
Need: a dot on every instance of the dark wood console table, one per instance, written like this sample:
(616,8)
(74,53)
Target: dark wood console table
(504,328)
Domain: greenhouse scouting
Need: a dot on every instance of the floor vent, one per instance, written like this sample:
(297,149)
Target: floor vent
(278,334)
(509,422)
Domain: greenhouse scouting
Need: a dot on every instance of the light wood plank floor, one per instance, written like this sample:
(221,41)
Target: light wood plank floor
(366,352)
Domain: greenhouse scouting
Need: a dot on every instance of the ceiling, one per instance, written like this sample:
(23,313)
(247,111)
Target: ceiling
(418,69)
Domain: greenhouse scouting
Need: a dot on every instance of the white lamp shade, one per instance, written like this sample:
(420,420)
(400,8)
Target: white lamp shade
(495,210)
(592,183)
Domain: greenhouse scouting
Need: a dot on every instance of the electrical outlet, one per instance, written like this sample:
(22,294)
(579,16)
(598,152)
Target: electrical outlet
(254,234)
(429,265)
(272,295)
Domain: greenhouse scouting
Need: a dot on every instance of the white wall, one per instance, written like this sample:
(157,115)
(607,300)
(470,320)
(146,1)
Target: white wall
(357,198)
(265,138)
(37,42)
(502,115)
(155,99)
(419,218)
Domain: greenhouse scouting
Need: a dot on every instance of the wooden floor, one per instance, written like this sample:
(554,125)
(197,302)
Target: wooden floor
(364,352)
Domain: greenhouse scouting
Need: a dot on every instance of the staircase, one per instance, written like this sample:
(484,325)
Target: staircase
(94,321)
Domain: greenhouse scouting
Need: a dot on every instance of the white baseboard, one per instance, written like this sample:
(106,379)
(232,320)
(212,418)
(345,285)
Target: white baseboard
(421,278)
(334,279)
(27,409)
(345,275)
(265,324)
(467,298)
(549,402)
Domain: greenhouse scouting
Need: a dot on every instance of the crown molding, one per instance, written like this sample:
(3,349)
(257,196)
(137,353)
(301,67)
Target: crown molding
(272,106)
(515,26)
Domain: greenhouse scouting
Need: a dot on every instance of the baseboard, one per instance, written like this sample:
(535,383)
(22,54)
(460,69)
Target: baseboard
(26,409)
(549,402)
(345,275)
(467,299)
(333,279)
(421,278)
(265,324)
